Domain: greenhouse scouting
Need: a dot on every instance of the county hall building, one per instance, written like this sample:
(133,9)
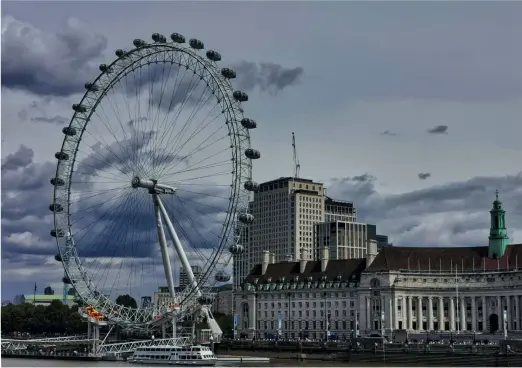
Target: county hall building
(399,288)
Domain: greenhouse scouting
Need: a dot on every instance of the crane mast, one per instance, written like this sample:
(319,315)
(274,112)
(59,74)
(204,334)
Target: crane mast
(297,166)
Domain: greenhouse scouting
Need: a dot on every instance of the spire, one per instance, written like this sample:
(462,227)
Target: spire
(498,238)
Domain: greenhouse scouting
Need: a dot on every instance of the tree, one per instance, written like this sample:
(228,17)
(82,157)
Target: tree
(127,301)
(48,291)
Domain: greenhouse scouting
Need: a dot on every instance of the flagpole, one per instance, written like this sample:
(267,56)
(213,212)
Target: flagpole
(34,294)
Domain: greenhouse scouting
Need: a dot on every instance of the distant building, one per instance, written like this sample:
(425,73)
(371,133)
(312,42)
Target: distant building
(344,240)
(146,301)
(48,291)
(223,299)
(183,276)
(42,299)
(335,210)
(382,242)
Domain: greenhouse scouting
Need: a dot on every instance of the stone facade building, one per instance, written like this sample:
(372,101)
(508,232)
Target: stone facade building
(400,288)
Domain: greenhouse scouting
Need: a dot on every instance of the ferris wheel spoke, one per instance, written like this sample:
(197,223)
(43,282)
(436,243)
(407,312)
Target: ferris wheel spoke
(97,193)
(91,209)
(95,169)
(187,158)
(106,163)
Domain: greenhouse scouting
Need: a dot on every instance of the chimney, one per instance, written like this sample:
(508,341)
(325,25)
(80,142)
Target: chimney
(371,252)
(303,260)
(288,258)
(272,258)
(324,258)
(266,261)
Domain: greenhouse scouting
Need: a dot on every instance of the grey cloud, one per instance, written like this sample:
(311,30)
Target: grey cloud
(423,176)
(387,132)
(46,62)
(61,120)
(439,129)
(449,214)
(268,77)
(21,158)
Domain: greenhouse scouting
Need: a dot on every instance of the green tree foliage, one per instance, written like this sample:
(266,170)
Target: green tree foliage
(126,301)
(53,319)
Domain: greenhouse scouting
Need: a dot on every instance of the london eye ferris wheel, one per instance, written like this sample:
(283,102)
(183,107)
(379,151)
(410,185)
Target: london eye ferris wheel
(157,148)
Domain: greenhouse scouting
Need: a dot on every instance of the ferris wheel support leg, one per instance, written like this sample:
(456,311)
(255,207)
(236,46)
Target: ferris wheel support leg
(177,245)
(163,245)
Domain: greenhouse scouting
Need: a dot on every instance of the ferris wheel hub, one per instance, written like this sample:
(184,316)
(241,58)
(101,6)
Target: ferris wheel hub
(152,185)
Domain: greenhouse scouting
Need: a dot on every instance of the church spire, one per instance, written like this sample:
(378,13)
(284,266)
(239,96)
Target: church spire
(498,238)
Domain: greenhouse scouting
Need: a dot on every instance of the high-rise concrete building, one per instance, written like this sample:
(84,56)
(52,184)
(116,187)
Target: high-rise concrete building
(344,240)
(382,242)
(285,211)
(183,276)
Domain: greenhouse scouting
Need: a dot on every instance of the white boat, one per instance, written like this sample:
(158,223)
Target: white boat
(195,355)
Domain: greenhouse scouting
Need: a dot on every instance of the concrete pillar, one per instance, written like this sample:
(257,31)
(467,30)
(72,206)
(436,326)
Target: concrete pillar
(500,314)
(368,314)
(441,314)
(409,301)
(392,309)
(517,312)
(462,318)
(419,313)
(509,316)
(484,314)
(452,313)
(473,313)
(430,313)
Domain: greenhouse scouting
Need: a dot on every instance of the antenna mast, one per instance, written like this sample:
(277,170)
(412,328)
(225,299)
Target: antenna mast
(297,166)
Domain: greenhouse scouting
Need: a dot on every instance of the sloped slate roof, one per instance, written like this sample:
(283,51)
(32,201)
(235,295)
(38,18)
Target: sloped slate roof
(445,259)
(346,268)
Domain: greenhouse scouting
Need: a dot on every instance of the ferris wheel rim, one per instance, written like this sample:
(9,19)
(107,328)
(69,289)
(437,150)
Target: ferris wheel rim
(242,165)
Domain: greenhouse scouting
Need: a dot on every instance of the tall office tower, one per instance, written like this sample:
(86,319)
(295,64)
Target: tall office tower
(345,240)
(285,211)
(335,210)
(183,276)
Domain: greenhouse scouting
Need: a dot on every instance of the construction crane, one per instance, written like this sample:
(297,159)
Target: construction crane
(297,166)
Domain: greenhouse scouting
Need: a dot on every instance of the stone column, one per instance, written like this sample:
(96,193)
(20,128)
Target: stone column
(484,314)
(517,312)
(392,309)
(452,313)
(473,314)
(419,313)
(500,314)
(509,319)
(410,312)
(430,313)
(368,314)
(462,319)
(441,314)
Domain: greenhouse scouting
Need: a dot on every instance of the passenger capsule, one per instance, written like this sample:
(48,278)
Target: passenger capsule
(213,55)
(251,186)
(228,73)
(58,233)
(119,53)
(58,257)
(139,43)
(222,276)
(58,182)
(252,154)
(205,299)
(91,87)
(67,280)
(62,156)
(104,68)
(248,123)
(240,96)
(178,38)
(246,218)
(56,208)
(69,131)
(79,108)
(236,249)
(196,44)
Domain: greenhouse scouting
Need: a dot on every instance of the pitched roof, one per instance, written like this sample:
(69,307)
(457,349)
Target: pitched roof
(346,268)
(445,259)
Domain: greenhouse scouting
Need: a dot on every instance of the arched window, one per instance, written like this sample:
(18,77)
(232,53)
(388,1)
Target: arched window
(375,283)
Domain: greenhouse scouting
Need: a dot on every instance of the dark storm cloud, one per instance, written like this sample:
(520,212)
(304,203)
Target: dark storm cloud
(268,77)
(49,63)
(21,158)
(423,176)
(450,214)
(57,119)
(439,129)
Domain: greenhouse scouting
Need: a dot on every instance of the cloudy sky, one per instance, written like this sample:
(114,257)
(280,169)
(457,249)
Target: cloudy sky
(412,110)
